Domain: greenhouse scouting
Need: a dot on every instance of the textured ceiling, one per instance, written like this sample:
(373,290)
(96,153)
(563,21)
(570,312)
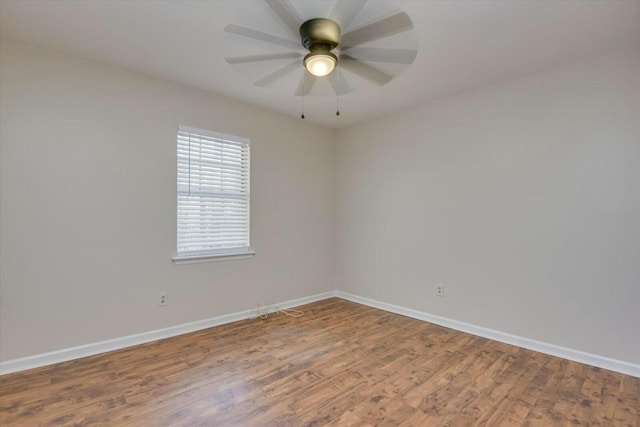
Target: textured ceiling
(461,45)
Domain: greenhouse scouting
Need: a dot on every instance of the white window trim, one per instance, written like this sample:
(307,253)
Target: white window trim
(227,256)
(220,255)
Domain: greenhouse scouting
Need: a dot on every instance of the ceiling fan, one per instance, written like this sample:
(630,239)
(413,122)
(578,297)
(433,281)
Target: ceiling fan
(325,47)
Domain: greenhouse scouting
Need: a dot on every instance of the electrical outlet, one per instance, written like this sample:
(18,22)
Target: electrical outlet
(163,299)
(439,290)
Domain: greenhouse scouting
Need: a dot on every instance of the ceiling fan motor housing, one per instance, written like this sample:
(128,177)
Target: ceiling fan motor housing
(320,34)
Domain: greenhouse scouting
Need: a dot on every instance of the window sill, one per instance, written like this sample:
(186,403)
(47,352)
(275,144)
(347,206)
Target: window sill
(196,259)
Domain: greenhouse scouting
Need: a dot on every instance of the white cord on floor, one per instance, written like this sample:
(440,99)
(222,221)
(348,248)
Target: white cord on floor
(290,312)
(262,311)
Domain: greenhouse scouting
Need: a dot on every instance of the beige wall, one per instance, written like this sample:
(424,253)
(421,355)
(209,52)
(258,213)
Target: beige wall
(88,205)
(523,199)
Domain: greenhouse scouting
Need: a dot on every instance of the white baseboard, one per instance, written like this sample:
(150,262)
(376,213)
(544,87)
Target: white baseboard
(145,337)
(72,353)
(542,347)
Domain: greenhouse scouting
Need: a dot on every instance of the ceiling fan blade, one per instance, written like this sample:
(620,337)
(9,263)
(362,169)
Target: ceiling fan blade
(265,57)
(306,83)
(364,70)
(258,35)
(381,54)
(338,83)
(287,13)
(281,72)
(382,28)
(344,12)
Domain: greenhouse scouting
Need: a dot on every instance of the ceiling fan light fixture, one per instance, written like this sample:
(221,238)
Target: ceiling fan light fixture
(320,64)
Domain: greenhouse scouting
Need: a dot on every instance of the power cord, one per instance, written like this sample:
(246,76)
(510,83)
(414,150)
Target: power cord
(263,311)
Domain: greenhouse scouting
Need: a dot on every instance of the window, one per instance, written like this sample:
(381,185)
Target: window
(213,195)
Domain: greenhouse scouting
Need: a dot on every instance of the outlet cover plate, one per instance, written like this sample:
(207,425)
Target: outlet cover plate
(163,299)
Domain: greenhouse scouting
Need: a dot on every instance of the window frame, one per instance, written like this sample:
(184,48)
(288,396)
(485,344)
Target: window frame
(243,252)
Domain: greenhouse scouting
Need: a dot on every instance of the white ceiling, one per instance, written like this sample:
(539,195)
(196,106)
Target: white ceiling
(461,44)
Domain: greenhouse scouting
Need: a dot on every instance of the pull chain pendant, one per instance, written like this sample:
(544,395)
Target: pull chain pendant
(337,93)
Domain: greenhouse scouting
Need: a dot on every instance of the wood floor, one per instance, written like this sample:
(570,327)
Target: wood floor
(342,364)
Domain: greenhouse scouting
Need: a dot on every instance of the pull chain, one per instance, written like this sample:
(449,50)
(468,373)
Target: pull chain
(337,92)
(337,99)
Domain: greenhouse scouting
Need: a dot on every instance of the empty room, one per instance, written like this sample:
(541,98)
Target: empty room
(320,213)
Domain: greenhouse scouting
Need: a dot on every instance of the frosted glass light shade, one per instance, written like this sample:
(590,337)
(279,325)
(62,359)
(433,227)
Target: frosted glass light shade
(320,64)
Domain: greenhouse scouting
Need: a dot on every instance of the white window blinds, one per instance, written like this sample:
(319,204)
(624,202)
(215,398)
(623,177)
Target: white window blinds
(213,193)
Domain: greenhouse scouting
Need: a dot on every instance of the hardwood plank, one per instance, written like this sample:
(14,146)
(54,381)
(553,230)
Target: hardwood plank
(341,364)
